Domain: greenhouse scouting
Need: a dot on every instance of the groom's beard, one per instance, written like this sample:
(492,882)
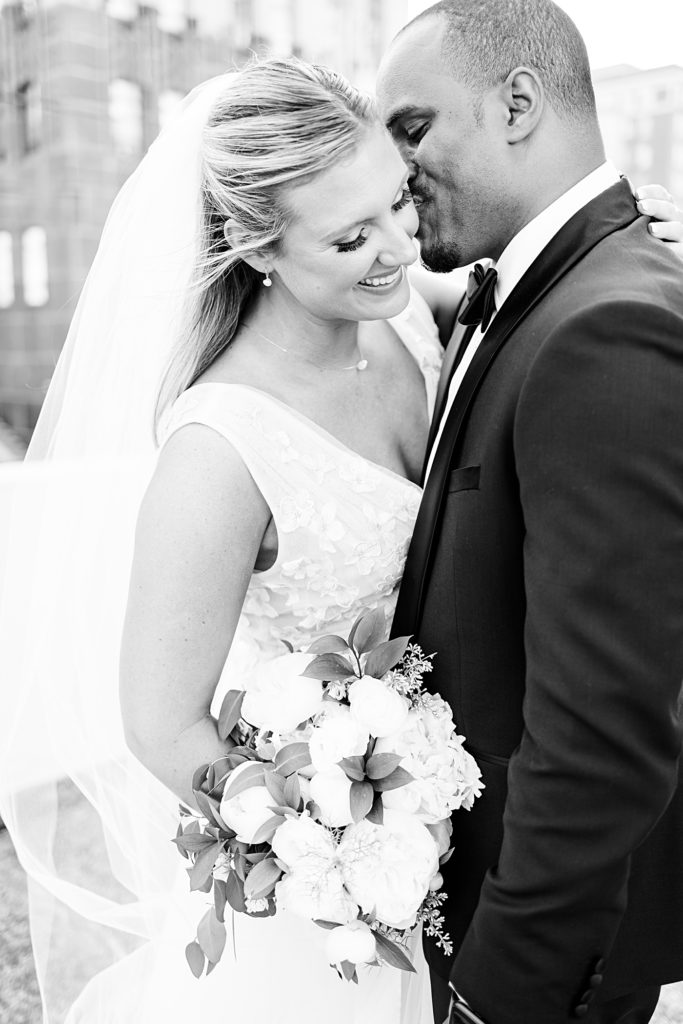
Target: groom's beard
(436,254)
(441,257)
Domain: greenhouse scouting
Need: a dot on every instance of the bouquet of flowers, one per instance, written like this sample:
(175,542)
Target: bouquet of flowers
(334,802)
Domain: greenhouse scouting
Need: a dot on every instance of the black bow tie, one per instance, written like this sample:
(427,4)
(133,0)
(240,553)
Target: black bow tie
(481,303)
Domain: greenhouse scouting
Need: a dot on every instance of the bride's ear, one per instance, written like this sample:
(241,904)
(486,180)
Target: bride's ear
(236,236)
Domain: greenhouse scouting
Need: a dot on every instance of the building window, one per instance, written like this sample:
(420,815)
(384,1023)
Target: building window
(169,100)
(34,266)
(30,115)
(126,116)
(6,270)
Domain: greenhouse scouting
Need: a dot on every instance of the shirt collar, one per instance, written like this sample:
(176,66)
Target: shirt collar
(526,245)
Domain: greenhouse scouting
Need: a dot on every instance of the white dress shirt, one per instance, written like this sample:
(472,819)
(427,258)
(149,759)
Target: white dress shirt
(521,252)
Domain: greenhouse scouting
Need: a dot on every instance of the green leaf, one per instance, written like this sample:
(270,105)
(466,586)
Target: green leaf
(392,953)
(289,646)
(361,796)
(219,898)
(328,925)
(399,777)
(247,752)
(444,859)
(178,836)
(267,830)
(385,656)
(203,866)
(381,765)
(328,667)
(261,879)
(250,776)
(194,842)
(275,785)
(376,812)
(195,958)
(199,777)
(328,645)
(211,936)
(354,768)
(234,891)
(292,757)
(293,792)
(230,712)
(349,971)
(370,631)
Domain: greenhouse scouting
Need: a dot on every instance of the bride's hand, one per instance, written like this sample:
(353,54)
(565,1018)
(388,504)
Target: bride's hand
(655,201)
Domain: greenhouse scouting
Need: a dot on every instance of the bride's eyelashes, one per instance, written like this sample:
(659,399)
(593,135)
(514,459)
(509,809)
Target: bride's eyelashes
(405,199)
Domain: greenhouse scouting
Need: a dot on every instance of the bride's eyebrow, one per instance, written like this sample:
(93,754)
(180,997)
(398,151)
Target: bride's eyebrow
(341,231)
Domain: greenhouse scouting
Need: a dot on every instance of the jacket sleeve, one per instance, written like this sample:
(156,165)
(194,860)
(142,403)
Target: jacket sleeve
(598,444)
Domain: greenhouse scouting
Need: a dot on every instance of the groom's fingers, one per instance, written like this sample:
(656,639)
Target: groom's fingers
(668,224)
(653,192)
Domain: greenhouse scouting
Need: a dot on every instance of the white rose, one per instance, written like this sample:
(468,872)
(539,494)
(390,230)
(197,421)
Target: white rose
(354,942)
(336,735)
(313,887)
(299,837)
(331,790)
(278,697)
(246,812)
(377,707)
(445,777)
(387,868)
(315,891)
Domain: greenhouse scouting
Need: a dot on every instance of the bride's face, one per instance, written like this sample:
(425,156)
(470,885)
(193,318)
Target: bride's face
(350,237)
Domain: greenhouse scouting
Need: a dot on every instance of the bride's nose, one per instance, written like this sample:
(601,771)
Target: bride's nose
(398,249)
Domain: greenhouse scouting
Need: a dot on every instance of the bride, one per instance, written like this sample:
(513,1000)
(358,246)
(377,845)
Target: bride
(250,378)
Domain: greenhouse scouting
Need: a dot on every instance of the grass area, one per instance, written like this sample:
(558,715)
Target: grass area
(19,996)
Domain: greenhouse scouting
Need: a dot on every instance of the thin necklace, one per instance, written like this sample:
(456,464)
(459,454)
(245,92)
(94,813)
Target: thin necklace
(362,364)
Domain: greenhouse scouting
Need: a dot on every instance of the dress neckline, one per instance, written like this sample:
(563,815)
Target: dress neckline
(310,424)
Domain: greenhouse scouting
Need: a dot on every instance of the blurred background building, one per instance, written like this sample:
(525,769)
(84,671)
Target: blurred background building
(85,85)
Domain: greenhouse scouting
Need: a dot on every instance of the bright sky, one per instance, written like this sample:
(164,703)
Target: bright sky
(645,33)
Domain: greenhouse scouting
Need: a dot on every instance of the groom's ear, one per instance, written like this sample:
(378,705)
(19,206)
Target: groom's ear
(524,100)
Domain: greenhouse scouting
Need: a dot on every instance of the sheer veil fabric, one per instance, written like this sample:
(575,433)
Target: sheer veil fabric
(99,887)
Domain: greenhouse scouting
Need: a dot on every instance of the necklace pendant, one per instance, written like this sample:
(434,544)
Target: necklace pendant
(362,364)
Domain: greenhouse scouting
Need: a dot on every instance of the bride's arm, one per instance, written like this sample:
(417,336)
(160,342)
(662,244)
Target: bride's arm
(199,532)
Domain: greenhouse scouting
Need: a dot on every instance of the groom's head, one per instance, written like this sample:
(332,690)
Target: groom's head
(492,106)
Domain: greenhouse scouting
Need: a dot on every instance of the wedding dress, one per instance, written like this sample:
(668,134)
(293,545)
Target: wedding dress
(343,524)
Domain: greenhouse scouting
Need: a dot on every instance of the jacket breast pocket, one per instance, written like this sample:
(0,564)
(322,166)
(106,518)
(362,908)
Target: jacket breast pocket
(464,479)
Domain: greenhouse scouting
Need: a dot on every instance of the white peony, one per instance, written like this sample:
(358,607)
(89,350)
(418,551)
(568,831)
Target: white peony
(377,707)
(331,790)
(354,942)
(248,810)
(336,735)
(445,776)
(387,868)
(313,887)
(278,697)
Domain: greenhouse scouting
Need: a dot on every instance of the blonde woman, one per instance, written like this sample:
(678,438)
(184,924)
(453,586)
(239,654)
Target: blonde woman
(250,378)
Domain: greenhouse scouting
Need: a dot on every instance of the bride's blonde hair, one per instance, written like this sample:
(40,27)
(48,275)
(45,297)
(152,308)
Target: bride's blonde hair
(278,122)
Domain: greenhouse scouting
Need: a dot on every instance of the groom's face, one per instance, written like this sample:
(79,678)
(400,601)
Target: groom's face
(449,136)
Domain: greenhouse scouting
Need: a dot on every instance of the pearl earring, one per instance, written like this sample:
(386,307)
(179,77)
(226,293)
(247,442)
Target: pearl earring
(266,280)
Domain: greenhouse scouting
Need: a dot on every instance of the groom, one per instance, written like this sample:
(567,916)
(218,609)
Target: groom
(546,569)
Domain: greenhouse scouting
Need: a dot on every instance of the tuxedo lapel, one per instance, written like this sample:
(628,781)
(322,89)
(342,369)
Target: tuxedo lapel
(610,211)
(455,350)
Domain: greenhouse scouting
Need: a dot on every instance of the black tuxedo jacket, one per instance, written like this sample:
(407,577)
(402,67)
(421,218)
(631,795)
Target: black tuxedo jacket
(546,572)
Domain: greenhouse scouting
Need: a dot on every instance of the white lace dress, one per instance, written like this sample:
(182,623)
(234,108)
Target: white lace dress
(343,525)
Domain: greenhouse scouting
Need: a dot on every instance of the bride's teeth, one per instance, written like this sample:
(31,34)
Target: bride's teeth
(375,282)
